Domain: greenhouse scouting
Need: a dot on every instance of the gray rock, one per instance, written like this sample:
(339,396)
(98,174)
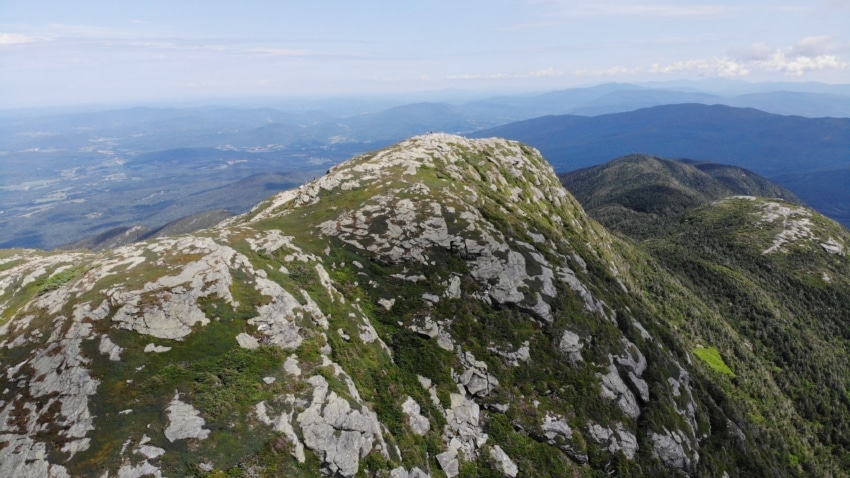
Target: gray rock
(634,362)
(641,386)
(417,473)
(59,369)
(642,330)
(414,472)
(463,431)
(368,334)
(449,463)
(497,407)
(503,461)
(426,327)
(475,378)
(143,469)
(555,426)
(522,354)
(418,423)
(110,348)
(628,441)
(25,458)
(669,447)
(283,425)
(156,348)
(184,421)
(175,309)
(613,388)
(453,289)
(148,451)
(632,358)
(276,320)
(571,345)
(833,247)
(616,440)
(291,366)
(247,342)
(339,434)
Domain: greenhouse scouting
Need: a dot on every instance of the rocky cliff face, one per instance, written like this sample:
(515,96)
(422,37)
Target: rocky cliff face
(439,308)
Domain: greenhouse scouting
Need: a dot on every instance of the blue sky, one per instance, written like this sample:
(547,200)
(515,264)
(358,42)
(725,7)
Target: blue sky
(84,51)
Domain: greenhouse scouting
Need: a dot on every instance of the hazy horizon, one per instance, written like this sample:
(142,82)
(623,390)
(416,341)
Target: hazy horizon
(56,53)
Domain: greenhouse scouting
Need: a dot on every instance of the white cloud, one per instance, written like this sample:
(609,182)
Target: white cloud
(809,54)
(15,38)
(812,53)
(545,73)
(613,71)
(800,65)
(724,67)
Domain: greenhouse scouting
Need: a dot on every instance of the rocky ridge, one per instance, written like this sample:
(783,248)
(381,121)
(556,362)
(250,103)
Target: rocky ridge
(437,308)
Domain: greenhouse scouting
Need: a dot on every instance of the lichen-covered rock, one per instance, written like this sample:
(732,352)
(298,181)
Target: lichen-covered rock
(475,377)
(503,461)
(419,424)
(340,434)
(184,421)
(23,457)
(449,463)
(618,439)
(247,342)
(673,449)
(571,345)
(613,388)
(414,472)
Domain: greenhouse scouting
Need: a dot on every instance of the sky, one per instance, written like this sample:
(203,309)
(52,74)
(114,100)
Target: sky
(57,53)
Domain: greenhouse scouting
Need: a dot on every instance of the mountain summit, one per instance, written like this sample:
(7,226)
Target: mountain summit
(442,307)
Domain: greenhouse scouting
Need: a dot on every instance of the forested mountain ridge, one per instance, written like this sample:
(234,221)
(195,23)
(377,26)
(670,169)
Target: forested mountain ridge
(767,266)
(442,307)
(640,194)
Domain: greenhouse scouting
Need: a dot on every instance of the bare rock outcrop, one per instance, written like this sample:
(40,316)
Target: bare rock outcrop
(184,421)
(615,440)
(673,449)
(339,433)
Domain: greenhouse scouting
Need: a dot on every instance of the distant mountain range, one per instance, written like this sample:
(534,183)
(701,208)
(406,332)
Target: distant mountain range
(799,153)
(91,171)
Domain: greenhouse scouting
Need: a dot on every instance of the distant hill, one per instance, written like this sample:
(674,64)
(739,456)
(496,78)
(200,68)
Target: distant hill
(629,100)
(771,145)
(787,99)
(766,143)
(640,194)
(795,103)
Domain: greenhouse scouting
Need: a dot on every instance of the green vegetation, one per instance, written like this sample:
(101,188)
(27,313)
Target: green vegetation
(711,356)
